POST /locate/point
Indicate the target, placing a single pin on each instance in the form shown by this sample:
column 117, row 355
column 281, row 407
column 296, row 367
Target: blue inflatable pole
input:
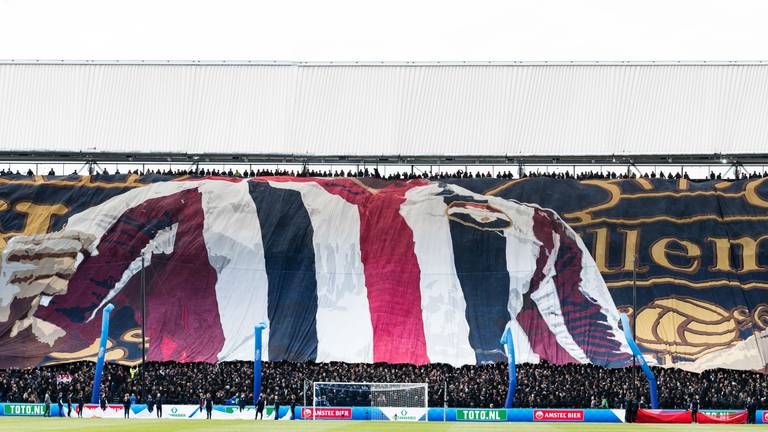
column 640, row 359
column 509, row 346
column 102, row 352
column 257, row 361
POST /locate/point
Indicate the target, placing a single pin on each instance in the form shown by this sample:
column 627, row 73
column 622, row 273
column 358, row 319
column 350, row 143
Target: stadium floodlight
column 386, row 401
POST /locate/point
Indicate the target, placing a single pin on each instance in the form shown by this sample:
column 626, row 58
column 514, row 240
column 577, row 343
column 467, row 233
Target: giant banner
column 366, row 270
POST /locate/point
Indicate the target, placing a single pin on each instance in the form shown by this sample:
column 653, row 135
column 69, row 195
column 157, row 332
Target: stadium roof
column 264, row 111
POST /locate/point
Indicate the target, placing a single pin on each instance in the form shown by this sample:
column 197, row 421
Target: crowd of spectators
column 374, row 173
column 538, row 385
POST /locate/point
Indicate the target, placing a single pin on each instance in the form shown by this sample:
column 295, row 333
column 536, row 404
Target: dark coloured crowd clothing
column 208, row 408
column 539, row 385
column 127, row 408
column 260, row 409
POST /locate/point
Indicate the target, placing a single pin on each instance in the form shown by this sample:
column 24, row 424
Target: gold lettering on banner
column 38, row 219
column 722, row 251
column 749, row 253
column 747, row 250
column 590, row 215
column 601, row 250
column 661, row 251
column 117, row 351
column 667, row 280
column 750, row 193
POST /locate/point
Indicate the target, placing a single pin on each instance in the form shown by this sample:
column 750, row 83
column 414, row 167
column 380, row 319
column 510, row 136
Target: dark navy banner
column 366, row 270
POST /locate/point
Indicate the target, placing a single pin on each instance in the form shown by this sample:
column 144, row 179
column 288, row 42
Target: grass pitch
column 22, row 424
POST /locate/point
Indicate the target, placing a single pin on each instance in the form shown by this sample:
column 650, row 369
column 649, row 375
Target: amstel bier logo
column 327, row 413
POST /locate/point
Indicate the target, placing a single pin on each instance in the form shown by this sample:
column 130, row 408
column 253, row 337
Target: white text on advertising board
column 481, row 415
column 327, row 413
column 23, row 410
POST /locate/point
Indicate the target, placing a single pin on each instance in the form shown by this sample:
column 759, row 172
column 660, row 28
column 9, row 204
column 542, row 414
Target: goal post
column 387, row 401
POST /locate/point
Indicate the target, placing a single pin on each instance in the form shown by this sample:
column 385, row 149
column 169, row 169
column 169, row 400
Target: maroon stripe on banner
column 578, row 309
column 542, row 340
column 392, row 275
column 183, row 322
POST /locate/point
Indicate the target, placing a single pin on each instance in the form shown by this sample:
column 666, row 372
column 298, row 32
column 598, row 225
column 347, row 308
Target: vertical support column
column 257, row 331
column 96, row 391
column 638, row 355
column 445, row 399
column 143, row 328
column 509, row 346
column 634, row 323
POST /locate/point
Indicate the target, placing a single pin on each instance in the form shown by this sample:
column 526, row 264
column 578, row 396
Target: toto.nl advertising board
column 17, row 409
column 481, row 415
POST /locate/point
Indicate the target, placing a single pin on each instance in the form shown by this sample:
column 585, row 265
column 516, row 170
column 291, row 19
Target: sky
column 391, row 30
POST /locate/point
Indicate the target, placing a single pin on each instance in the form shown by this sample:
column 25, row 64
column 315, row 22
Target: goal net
column 382, row 401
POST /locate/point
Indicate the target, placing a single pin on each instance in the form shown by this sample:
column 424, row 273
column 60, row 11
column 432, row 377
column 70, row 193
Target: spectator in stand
column 739, row 174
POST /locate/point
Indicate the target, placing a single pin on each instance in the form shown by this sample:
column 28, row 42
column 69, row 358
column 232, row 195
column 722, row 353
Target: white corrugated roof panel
column 513, row 109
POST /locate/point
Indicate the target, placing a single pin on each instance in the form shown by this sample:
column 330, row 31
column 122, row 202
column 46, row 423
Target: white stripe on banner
column 98, row 219
column 442, row 300
column 241, row 278
column 522, row 250
column 548, row 302
column 344, row 330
